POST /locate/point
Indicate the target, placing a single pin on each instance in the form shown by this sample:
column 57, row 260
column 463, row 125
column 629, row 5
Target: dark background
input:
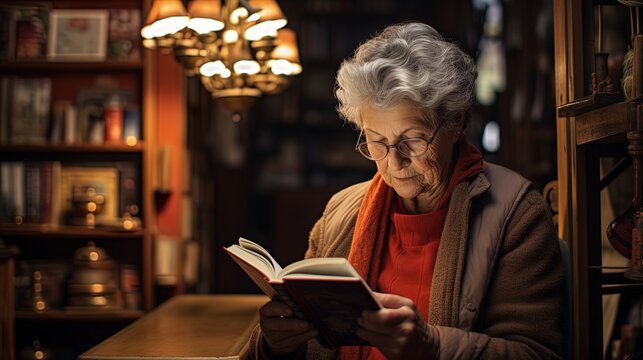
column 269, row 176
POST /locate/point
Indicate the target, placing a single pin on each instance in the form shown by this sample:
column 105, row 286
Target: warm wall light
column 241, row 50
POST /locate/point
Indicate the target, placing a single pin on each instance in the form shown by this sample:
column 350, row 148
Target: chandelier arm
column 263, row 69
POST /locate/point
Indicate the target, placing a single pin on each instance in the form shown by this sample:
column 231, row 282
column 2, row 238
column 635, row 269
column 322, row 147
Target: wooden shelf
column 589, row 103
column 607, row 124
column 103, row 66
column 78, row 315
column 85, row 148
column 66, row 232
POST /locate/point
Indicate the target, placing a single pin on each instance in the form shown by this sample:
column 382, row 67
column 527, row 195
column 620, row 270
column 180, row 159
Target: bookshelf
column 78, row 136
column 587, row 134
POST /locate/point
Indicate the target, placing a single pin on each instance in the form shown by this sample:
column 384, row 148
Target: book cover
column 328, row 292
column 8, row 17
column 30, row 108
column 32, row 24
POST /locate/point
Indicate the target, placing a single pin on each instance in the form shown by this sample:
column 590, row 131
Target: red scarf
column 373, row 218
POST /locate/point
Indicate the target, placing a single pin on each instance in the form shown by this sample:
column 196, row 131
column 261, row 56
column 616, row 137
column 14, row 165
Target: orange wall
column 170, row 128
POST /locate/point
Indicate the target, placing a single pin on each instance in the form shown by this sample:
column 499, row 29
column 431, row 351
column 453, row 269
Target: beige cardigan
column 498, row 280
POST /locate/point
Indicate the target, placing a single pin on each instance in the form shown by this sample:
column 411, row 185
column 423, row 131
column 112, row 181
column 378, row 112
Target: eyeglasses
column 411, row 147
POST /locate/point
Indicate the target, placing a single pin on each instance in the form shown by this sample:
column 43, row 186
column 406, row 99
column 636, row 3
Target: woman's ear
column 459, row 128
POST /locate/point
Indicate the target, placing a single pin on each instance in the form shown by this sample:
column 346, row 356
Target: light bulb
column 281, row 67
column 204, row 25
column 230, row 36
column 265, row 28
column 170, row 25
column 212, row 68
column 249, row 67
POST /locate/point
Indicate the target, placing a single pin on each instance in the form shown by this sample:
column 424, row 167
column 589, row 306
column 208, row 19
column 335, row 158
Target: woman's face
column 424, row 176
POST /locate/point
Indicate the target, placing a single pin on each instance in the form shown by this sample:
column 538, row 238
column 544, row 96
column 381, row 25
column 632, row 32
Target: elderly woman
column 462, row 253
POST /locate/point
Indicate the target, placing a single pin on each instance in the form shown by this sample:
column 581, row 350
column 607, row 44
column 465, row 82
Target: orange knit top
column 409, row 254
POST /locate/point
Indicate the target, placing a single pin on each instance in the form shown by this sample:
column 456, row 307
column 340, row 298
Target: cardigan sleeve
column 521, row 317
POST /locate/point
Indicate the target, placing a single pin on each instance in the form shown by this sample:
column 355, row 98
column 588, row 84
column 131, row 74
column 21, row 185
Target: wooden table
column 186, row 327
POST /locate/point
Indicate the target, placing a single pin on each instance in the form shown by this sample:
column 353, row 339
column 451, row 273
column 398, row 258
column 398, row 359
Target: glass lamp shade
column 286, row 52
column 205, row 16
column 152, row 16
column 169, row 17
column 271, row 19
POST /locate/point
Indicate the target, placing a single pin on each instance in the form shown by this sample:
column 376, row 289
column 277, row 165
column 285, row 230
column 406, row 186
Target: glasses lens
column 412, row 147
column 373, row 150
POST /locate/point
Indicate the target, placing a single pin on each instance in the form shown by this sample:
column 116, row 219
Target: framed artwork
column 79, row 180
column 78, row 35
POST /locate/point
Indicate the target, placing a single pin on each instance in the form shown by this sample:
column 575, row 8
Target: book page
column 320, row 267
column 252, row 271
column 256, row 248
column 255, row 260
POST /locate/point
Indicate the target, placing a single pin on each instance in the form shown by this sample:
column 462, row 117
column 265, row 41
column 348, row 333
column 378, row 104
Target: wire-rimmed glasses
column 411, row 147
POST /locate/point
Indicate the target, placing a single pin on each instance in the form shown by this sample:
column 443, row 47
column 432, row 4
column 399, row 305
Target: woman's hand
column 283, row 333
column 398, row 331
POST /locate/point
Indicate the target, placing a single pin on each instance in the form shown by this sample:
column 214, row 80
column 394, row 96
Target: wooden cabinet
column 596, row 127
column 121, row 167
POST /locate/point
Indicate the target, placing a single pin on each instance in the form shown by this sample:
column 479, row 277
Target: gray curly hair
column 407, row 62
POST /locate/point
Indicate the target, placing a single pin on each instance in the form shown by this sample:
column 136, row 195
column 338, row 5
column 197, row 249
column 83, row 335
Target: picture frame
column 77, row 35
column 105, row 181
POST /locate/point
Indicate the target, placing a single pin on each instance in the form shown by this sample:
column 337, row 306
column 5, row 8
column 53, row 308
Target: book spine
column 114, row 121
column 45, row 210
column 18, row 192
column 70, row 124
column 33, row 195
column 131, row 125
column 5, row 108
column 56, row 196
column 6, row 200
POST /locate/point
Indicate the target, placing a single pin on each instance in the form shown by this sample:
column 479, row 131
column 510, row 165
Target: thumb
column 393, row 301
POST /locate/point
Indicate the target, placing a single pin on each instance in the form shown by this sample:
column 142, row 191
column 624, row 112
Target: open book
column 328, row 292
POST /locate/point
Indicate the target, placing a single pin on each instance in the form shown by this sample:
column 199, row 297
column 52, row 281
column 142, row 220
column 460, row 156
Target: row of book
column 100, row 115
column 28, row 31
column 50, row 192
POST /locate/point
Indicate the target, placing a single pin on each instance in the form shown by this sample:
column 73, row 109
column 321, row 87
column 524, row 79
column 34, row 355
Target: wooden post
column 7, row 306
column 637, row 66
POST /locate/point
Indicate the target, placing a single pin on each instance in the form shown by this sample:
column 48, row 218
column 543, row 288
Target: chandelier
column 240, row 50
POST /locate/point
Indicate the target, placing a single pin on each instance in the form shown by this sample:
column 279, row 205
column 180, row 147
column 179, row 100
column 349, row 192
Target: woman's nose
column 396, row 160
